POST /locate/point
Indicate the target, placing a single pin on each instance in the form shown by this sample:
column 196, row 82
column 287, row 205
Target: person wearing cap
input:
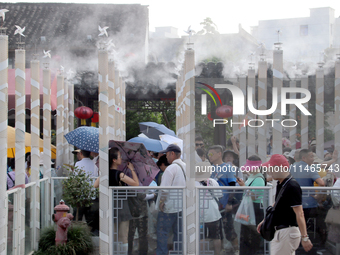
column 289, row 220
column 229, row 156
column 249, row 239
column 170, row 214
column 211, row 219
column 223, row 173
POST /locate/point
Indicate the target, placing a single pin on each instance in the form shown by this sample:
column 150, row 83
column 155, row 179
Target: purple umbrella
column 137, row 154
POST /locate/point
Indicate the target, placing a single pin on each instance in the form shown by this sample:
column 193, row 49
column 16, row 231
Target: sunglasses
column 200, row 144
column 210, row 154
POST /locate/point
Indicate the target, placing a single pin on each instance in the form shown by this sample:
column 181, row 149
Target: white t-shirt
column 96, row 170
column 87, row 165
column 173, row 176
column 209, row 211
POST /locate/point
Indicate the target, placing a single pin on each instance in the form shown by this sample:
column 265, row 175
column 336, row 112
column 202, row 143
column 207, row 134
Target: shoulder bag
column 137, row 204
column 182, row 171
column 267, row 229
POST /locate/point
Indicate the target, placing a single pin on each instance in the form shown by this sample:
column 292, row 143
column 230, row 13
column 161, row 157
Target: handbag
column 137, row 205
column 267, row 229
column 245, row 213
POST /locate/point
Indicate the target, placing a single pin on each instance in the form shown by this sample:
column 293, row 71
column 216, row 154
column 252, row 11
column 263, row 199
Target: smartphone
column 237, row 177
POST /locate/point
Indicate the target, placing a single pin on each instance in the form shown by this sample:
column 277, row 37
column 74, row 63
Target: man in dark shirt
column 289, row 218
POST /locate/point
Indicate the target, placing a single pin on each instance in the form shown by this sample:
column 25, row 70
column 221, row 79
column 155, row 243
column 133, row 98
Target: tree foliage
column 134, row 117
column 209, row 27
column 78, row 190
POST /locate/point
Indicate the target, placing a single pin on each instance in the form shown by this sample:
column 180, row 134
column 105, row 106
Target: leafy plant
column 79, row 241
column 78, row 189
column 209, row 27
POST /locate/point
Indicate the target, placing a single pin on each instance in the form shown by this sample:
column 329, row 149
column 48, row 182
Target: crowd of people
column 219, row 207
column 160, row 215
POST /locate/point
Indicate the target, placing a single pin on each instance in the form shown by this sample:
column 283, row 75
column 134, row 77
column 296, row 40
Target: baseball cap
column 76, row 151
column 202, row 171
column 276, row 160
column 171, row 147
column 250, row 164
column 230, row 152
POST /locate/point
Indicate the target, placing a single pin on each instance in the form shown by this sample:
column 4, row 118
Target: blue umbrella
column 153, row 130
column 85, row 138
column 150, row 144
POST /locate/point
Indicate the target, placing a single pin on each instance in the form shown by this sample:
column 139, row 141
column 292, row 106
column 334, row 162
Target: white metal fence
column 37, row 220
column 26, row 234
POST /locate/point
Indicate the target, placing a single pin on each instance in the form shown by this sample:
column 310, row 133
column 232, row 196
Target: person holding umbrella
column 119, row 178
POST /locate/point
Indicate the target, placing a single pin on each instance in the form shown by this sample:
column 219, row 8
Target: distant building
column 70, row 31
column 303, row 38
column 165, row 32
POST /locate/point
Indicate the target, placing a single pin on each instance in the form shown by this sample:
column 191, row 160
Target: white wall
column 297, row 45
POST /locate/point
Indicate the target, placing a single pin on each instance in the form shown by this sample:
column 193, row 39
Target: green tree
column 78, row 190
column 209, row 27
column 166, row 116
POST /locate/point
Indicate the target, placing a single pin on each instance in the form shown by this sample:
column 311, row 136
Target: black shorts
column 212, row 230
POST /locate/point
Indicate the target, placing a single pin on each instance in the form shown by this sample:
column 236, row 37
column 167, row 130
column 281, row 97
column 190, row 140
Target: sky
column 226, row 14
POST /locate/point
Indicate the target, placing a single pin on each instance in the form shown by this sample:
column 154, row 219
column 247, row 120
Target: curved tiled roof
column 68, row 24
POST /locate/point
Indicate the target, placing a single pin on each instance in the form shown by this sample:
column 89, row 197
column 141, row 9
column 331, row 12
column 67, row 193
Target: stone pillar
column 60, row 124
column 304, row 118
column 179, row 110
column 262, row 104
column 112, row 97
column 35, row 153
column 66, row 156
column 189, row 150
column 236, row 118
column 292, row 115
column 251, row 144
column 123, row 111
column 320, row 120
column 3, row 137
column 336, row 104
column 277, row 83
column 105, row 222
column 243, row 128
column 35, row 119
column 71, row 119
column 20, row 128
column 47, row 136
column 117, row 106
